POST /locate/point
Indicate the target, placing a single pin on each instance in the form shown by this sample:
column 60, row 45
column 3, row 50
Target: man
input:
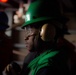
column 6, row 45
column 44, row 37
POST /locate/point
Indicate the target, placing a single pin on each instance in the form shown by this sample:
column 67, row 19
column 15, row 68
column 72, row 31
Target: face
column 36, row 42
column 31, row 38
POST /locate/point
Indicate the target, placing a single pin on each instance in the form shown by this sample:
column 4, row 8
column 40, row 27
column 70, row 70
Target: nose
column 26, row 37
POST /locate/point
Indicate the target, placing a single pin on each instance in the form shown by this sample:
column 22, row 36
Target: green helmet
column 43, row 10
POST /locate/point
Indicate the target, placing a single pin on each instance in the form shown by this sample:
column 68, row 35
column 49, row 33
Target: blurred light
column 16, row 20
column 4, row 1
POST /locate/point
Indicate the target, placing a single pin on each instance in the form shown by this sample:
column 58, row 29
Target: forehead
column 31, row 28
column 36, row 26
column 40, row 24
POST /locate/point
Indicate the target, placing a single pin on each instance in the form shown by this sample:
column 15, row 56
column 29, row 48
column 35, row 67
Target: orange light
column 4, row 1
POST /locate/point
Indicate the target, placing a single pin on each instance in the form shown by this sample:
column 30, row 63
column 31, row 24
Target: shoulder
column 49, row 70
column 53, row 70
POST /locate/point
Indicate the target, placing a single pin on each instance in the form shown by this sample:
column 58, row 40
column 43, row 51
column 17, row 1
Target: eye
column 28, row 31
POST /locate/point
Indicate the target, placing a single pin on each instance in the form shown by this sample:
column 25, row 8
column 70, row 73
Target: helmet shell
column 3, row 21
column 43, row 10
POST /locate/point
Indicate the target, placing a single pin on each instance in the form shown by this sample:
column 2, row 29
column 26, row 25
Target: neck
column 45, row 46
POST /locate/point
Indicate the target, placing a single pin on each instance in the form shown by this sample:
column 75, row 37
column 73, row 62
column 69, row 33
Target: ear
column 48, row 32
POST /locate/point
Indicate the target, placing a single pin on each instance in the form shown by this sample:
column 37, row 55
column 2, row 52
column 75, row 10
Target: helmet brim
column 61, row 19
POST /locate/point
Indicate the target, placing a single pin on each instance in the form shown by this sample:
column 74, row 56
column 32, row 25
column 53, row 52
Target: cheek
column 29, row 43
column 36, row 41
column 32, row 43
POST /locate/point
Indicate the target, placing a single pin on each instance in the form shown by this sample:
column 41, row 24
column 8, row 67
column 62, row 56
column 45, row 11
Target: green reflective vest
column 41, row 61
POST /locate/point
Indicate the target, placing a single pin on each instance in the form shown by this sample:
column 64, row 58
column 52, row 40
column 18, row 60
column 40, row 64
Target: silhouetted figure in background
column 6, row 45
